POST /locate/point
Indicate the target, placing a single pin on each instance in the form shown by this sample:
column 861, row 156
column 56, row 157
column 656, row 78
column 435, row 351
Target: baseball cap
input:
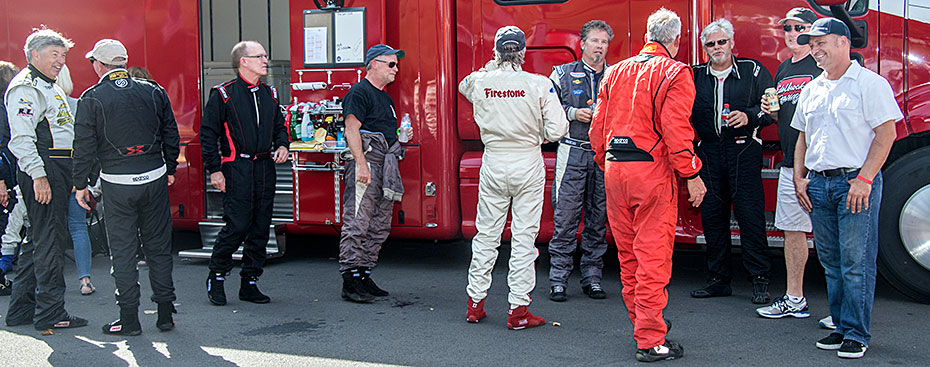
column 382, row 49
column 509, row 35
column 803, row 15
column 108, row 51
column 823, row 27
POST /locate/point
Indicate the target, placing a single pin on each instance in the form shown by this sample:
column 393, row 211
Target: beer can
column 771, row 97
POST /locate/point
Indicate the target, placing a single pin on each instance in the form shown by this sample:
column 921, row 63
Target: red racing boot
column 521, row 318
column 475, row 311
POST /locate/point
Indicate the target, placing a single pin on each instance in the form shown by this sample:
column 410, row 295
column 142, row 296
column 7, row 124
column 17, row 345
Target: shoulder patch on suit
column 274, row 92
column 558, row 70
column 223, row 93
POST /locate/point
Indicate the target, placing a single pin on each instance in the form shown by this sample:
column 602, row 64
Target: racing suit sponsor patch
column 513, row 93
column 577, row 92
column 577, row 74
column 576, row 81
column 25, row 112
column 24, row 102
column 119, row 75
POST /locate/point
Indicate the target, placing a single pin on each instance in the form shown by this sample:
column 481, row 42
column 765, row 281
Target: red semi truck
column 315, row 45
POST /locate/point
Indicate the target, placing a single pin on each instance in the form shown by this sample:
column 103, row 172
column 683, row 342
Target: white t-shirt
column 838, row 117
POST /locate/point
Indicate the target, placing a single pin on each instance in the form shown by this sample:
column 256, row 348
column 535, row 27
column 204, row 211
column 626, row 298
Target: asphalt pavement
column 422, row 322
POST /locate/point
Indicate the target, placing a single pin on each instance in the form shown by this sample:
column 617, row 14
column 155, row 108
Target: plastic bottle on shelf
column 405, row 130
column 306, row 131
column 295, row 121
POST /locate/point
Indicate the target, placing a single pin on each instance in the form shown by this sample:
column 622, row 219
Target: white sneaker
column 784, row 307
column 827, row 323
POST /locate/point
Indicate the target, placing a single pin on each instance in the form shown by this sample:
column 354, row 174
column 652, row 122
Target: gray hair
column 512, row 54
column 238, row 51
column 663, row 26
column 719, row 25
column 596, row 25
column 42, row 38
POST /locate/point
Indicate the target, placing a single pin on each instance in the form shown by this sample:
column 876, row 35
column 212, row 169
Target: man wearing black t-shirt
column 372, row 179
column 793, row 74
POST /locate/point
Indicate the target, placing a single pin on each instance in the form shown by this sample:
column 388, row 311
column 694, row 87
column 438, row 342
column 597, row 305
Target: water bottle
column 295, row 122
column 403, row 134
column 306, row 131
column 725, row 116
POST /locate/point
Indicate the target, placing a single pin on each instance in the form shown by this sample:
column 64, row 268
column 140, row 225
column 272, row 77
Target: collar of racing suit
column 733, row 69
column 102, row 77
column 655, row 48
column 246, row 82
column 41, row 75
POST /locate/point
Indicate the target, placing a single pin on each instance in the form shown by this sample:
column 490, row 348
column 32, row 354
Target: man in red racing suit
column 641, row 138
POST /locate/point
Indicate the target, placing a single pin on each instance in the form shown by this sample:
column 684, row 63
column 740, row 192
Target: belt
column 254, row 157
column 136, row 178
column 576, row 143
column 836, row 172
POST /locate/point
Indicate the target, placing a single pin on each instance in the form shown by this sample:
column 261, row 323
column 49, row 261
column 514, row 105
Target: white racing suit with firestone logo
column 516, row 112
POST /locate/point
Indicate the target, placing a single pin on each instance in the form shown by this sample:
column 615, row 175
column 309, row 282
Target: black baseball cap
column 823, row 27
column 381, row 49
column 509, row 35
column 803, row 15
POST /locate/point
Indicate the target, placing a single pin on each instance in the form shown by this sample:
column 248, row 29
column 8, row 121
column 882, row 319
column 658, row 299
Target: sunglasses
column 718, row 43
column 797, row 27
column 390, row 64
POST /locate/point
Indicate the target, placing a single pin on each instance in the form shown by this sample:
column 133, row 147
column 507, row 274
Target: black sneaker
column 831, row 342
column 352, row 288
column 715, row 287
column 851, row 349
column 557, row 293
column 215, row 291
column 248, row 291
column 667, row 351
column 68, row 322
column 370, row 286
column 760, row 290
column 594, row 290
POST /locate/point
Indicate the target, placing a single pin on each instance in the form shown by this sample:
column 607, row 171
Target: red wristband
column 863, row 179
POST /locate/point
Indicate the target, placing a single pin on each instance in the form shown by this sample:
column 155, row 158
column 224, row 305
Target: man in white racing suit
column 516, row 112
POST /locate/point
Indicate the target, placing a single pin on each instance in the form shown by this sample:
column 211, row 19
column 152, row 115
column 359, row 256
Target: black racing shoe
column 165, row 320
column 248, row 291
column 6, row 286
column 715, row 287
column 353, row 289
column 215, row 291
column 667, row 351
column 760, row 290
column 851, row 349
column 557, row 293
column 68, row 322
column 370, row 286
column 117, row 327
column 594, row 290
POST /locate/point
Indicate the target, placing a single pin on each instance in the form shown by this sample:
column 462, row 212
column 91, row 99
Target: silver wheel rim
column 914, row 226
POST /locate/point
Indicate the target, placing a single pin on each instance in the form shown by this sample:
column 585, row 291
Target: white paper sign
column 315, row 45
column 350, row 37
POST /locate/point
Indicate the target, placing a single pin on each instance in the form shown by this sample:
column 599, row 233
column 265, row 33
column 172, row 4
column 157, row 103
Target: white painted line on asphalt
column 261, row 359
column 122, row 349
column 19, row 350
column 162, row 348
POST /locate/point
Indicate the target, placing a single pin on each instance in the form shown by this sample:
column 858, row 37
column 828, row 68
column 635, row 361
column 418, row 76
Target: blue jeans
column 847, row 245
column 77, row 225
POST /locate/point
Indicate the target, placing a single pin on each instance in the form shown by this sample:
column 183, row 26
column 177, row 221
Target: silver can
column 771, row 97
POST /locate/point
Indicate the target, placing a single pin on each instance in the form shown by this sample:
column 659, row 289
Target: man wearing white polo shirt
column 846, row 121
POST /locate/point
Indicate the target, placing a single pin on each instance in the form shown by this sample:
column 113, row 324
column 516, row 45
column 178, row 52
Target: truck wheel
column 904, row 225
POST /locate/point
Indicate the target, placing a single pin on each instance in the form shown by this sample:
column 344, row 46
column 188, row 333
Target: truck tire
column 904, row 225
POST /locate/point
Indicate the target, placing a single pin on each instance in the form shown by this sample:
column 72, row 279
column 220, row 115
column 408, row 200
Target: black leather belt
column 576, row 143
column 836, row 172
